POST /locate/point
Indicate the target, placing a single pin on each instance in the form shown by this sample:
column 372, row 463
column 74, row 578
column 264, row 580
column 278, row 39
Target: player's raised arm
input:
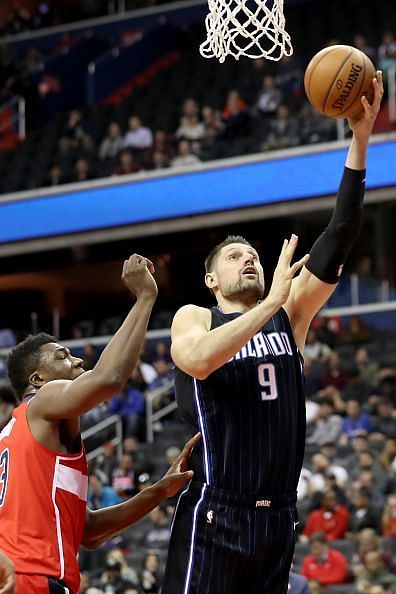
column 318, row 279
column 198, row 350
column 62, row 399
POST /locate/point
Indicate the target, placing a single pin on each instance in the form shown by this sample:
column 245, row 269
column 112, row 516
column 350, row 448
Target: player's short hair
column 213, row 254
column 24, row 360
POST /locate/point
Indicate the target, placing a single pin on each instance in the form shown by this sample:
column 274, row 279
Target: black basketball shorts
column 226, row 544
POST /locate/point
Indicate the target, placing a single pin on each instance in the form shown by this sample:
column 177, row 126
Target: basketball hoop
column 251, row 28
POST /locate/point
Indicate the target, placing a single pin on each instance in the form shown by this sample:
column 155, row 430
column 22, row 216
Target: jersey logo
column 263, row 503
column 210, row 516
column 295, row 524
column 4, row 464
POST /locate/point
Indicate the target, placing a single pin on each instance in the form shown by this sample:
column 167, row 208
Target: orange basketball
column 336, row 78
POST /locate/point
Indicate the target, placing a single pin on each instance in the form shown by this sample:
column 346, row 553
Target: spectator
column 330, row 483
column 355, row 423
column 130, row 404
column 138, row 137
column 367, row 540
column 112, row 581
column 376, row 573
column 127, row 572
column 55, row 176
column 282, row 131
column 387, row 52
column 385, row 420
column 335, row 375
column 99, row 495
column 236, row 117
column 150, row 574
column 314, row 127
column 234, row 104
column 389, row 517
column 316, row 587
column 368, row 369
column 75, row 138
column 107, row 461
column 90, row 356
column 159, row 161
column 161, row 144
column 312, row 385
column 82, row 171
column 8, row 402
column 361, row 43
column 298, row 584
column 212, row 122
column 355, row 332
column 190, row 107
column 363, row 514
column 321, row 467
column 185, row 156
column 123, row 477
column 387, row 457
column 127, row 164
column 367, row 462
column 324, row 564
column 315, row 348
column 327, row 426
column 159, row 531
column 270, row 97
column 112, row 143
column 190, row 128
column 331, row 518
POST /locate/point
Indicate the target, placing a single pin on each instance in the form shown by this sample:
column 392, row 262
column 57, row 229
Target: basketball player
column 7, row 575
column 239, row 379
column 43, row 467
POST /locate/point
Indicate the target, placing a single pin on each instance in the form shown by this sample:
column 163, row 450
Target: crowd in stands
column 347, row 489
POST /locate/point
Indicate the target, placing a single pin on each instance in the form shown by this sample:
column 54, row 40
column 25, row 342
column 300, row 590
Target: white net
column 251, row 28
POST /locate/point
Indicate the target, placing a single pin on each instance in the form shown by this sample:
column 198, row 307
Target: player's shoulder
column 191, row 313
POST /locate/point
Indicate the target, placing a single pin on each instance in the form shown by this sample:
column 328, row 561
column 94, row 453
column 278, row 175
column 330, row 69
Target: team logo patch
column 263, row 503
column 210, row 516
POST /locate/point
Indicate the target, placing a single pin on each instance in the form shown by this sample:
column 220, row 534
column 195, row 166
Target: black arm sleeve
column 330, row 250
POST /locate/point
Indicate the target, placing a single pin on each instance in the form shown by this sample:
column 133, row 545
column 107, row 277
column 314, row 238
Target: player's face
column 56, row 362
column 238, row 272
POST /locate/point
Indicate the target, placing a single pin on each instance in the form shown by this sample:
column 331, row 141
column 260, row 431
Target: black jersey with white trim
column 251, row 413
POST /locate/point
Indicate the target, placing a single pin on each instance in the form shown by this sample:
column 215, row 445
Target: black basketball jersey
column 251, row 413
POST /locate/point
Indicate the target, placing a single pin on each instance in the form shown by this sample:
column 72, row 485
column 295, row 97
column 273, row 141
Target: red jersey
column 43, row 498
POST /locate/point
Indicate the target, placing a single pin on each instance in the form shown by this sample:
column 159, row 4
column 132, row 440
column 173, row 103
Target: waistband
column 58, row 587
column 253, row 501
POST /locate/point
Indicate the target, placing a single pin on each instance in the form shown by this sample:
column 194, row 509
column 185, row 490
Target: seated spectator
column 236, row 117
column 330, row 484
column 368, row 369
column 289, row 75
column 335, row 374
column 185, row 155
column 312, row 372
column 138, row 137
column 8, row 401
column 355, row 423
column 270, row 97
column 81, row 171
column 298, row 584
column 321, row 466
column 324, row 564
column 361, row 43
column 387, row 52
column 75, row 138
column 234, row 104
column 355, row 332
column 212, row 122
column 316, row 587
column 376, row 573
column 387, row 457
column 368, row 540
column 366, row 461
column 315, row 348
column 127, row 164
column 150, row 574
column 327, row 426
column 385, row 419
column 159, row 161
column 159, row 531
column 331, row 518
column 190, row 107
column 127, row 573
column 56, row 176
column 363, row 514
column 123, row 477
column 130, row 405
column 357, row 388
column 160, row 144
column 190, row 128
column 283, row 130
column 90, row 356
column 107, row 461
column 315, row 127
column 112, row 143
column 100, row 495
column 112, row 581
column 389, row 517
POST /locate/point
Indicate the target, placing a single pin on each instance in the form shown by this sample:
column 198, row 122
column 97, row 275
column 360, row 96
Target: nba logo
column 210, row 517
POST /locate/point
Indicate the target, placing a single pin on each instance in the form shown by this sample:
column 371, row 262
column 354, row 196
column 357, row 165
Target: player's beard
column 246, row 290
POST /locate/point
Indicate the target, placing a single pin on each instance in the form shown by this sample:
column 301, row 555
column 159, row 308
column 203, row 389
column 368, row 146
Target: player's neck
column 227, row 306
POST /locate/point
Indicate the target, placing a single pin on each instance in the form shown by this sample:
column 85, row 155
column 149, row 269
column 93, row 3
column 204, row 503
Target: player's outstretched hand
column 137, row 274
column 285, row 271
column 178, row 473
column 7, row 575
column 362, row 125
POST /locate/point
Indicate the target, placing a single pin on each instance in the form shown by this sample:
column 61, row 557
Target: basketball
column 336, row 78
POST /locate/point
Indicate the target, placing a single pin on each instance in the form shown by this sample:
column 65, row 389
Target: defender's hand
column 137, row 274
column 285, row 271
column 362, row 125
column 7, row 575
column 178, row 474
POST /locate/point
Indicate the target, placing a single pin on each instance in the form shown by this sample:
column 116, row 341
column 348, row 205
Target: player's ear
column 36, row 380
column 210, row 280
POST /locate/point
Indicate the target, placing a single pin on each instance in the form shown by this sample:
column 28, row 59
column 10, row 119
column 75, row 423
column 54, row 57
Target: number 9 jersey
column 251, row 413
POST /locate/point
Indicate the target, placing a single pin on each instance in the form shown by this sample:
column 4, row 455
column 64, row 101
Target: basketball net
column 234, row 29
